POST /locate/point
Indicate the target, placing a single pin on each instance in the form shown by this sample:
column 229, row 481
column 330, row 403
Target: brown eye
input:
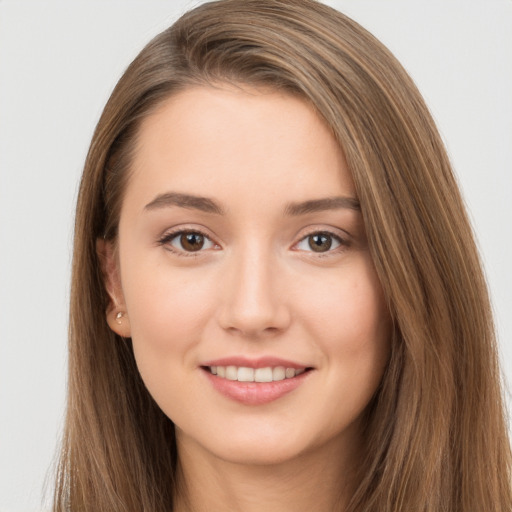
column 192, row 241
column 186, row 242
column 320, row 242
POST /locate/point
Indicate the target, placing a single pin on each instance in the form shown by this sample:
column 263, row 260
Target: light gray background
column 58, row 63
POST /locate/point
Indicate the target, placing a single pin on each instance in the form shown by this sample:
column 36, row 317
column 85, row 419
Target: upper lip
column 260, row 362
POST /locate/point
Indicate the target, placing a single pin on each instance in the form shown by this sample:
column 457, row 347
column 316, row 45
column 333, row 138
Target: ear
column 117, row 316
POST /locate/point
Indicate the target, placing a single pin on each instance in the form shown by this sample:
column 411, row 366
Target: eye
column 187, row 241
column 320, row 242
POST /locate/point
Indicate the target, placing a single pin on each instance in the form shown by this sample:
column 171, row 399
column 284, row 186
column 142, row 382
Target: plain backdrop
column 58, row 63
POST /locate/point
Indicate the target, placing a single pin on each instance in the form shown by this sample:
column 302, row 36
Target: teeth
column 244, row 374
column 231, row 372
column 289, row 373
column 263, row 375
column 279, row 373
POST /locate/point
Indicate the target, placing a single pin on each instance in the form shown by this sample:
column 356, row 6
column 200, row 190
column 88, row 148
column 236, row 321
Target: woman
column 277, row 302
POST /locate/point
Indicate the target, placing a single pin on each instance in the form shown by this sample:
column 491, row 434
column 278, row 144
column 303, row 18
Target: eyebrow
column 189, row 201
column 208, row 205
column 319, row 205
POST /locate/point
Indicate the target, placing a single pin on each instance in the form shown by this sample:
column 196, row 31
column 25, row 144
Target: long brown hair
column 436, row 438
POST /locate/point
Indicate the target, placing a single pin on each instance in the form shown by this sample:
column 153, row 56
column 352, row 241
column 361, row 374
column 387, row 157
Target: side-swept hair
column 436, row 438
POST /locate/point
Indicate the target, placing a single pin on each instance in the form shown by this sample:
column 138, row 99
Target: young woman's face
column 242, row 252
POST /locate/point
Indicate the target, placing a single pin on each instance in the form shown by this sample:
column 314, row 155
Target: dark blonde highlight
column 436, row 439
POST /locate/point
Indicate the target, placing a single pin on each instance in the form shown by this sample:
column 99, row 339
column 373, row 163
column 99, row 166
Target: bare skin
column 322, row 480
column 241, row 244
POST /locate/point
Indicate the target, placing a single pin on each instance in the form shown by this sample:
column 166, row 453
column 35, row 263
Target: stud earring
column 119, row 317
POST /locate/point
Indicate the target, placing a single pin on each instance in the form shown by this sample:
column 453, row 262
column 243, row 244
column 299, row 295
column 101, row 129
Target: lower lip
column 255, row 393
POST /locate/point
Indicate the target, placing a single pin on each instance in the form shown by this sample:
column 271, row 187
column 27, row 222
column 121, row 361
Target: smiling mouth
column 245, row 374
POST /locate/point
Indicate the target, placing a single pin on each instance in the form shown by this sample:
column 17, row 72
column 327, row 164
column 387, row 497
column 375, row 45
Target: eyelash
column 343, row 243
column 169, row 237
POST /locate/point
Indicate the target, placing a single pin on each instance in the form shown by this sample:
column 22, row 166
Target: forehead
column 237, row 142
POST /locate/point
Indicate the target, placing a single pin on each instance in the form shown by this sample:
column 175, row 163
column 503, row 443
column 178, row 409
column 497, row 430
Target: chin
column 259, row 454
column 263, row 446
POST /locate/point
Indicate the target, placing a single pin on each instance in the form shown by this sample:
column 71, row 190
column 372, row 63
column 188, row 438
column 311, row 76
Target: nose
column 253, row 299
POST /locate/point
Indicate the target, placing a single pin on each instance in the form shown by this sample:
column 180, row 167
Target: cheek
column 351, row 323
column 168, row 309
column 354, row 336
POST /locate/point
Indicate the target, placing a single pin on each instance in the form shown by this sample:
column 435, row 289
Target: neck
column 322, row 480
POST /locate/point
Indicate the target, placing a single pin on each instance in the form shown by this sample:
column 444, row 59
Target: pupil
column 192, row 241
column 320, row 243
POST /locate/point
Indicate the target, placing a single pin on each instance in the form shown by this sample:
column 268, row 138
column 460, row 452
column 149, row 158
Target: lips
column 255, row 382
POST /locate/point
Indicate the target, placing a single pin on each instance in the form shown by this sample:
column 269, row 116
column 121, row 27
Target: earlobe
column 116, row 315
column 119, row 322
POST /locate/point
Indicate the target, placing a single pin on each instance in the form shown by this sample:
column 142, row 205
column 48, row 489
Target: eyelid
column 343, row 240
column 341, row 236
column 171, row 234
column 319, row 228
